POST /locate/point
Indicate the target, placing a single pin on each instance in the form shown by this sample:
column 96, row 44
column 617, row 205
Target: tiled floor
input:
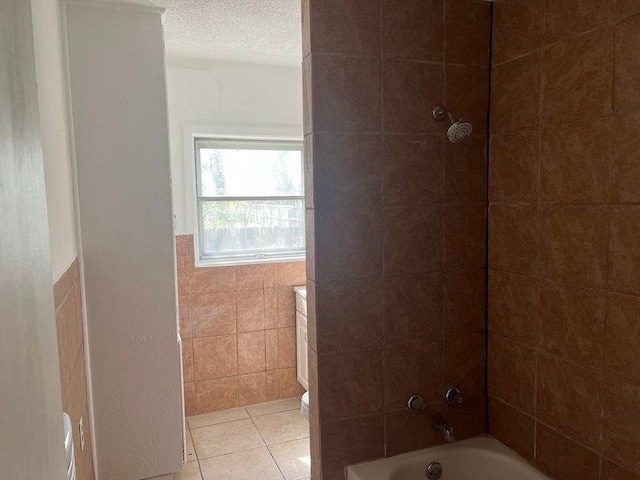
column 269, row 441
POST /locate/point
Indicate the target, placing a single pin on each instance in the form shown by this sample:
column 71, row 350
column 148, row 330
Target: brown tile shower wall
column 68, row 303
column 564, row 288
column 396, row 222
column 238, row 331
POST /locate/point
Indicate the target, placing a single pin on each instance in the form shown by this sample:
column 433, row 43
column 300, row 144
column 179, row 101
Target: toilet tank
column 68, row 447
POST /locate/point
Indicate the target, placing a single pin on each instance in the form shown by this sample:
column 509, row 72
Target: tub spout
column 439, row 424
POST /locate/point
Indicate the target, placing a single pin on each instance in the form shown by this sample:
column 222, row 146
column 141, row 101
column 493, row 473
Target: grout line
column 492, row 10
column 195, row 452
column 444, row 383
column 546, row 125
column 600, row 458
column 558, row 432
column 554, row 356
column 273, row 413
column 283, row 443
column 546, row 425
column 233, row 453
column 609, row 219
column 200, row 467
column 237, row 338
column 275, row 461
column 536, row 273
column 382, row 209
column 259, row 433
column 561, row 281
column 220, row 423
column 267, row 446
column 508, row 203
column 512, row 406
column 547, row 46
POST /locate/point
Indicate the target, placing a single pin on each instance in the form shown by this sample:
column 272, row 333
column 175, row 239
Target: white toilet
column 304, row 405
column 68, row 447
column 302, row 347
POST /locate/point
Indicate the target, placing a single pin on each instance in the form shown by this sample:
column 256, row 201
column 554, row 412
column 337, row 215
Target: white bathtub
column 481, row 458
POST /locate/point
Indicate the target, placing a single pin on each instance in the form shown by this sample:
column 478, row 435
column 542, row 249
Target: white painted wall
column 31, row 439
column 211, row 97
column 55, row 135
column 120, row 130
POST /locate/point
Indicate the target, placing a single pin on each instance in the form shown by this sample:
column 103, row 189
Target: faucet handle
column 416, row 403
column 454, row 396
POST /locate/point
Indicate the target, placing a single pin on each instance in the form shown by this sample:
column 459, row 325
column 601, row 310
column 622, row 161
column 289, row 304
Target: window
column 250, row 201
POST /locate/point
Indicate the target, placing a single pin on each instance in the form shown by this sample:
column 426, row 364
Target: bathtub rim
column 482, row 442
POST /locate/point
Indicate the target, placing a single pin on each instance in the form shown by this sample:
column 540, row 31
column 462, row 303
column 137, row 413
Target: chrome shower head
column 459, row 131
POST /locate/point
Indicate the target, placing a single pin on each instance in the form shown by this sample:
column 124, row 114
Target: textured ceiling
column 263, row 31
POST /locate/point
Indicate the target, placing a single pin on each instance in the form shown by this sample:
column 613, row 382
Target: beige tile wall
column 238, row 329
column 564, row 280
column 396, row 222
column 68, row 303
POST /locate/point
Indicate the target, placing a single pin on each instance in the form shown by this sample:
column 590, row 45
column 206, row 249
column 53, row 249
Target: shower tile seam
column 201, row 380
column 445, row 78
column 609, row 220
column 408, row 341
column 564, row 282
column 538, row 132
column 387, row 133
column 530, row 416
column 337, row 421
column 385, row 429
column 560, row 204
column 537, row 421
column 572, row 440
column 544, row 126
column 547, row 46
column 542, row 351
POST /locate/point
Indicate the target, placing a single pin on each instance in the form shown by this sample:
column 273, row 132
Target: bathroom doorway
column 234, row 86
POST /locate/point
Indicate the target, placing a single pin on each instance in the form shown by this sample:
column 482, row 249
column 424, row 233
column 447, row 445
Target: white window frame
column 239, row 141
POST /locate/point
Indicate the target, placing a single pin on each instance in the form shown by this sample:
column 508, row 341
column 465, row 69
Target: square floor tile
column 217, row 417
column 255, row 464
column 226, row 438
column 190, row 471
column 282, row 427
column 293, row 458
column 274, row 407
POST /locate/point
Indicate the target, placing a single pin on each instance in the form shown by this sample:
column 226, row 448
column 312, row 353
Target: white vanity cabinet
column 301, row 337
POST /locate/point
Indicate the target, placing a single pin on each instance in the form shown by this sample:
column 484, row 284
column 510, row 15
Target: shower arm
column 440, row 113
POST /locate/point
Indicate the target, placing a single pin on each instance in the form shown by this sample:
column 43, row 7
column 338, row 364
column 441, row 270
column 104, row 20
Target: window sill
column 207, row 262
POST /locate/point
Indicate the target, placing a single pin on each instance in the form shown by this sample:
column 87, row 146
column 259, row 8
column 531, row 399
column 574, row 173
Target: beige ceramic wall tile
column 233, row 315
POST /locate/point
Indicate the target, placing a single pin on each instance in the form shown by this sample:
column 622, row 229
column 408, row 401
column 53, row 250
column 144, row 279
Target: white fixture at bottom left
column 302, row 353
column 68, row 447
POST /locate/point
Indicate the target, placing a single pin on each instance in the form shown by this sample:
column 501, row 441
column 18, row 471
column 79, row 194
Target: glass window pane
column 248, row 227
column 233, row 172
